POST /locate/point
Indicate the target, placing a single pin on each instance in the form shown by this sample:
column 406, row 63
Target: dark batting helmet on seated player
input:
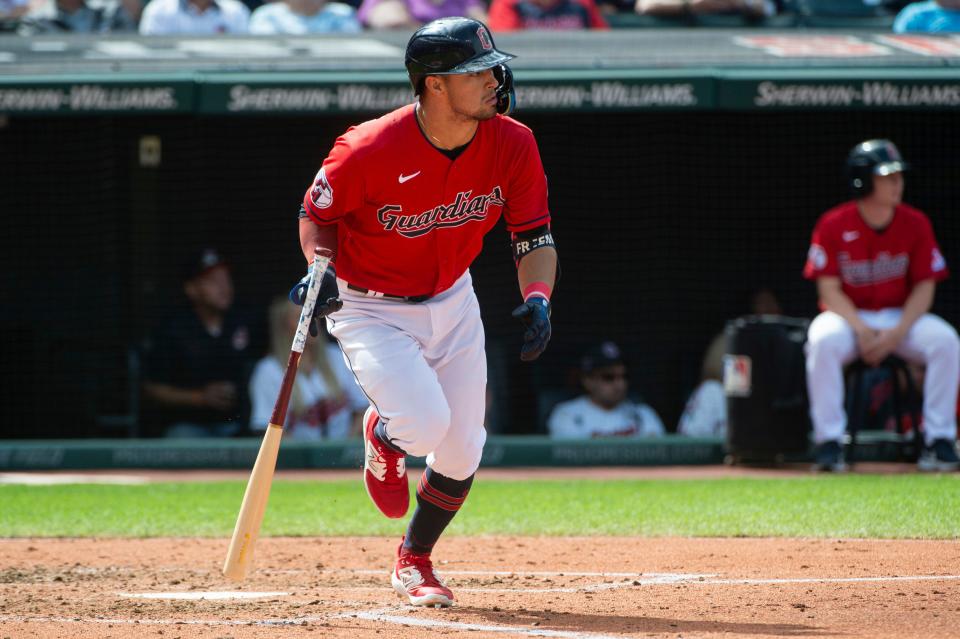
column 873, row 157
column 451, row 46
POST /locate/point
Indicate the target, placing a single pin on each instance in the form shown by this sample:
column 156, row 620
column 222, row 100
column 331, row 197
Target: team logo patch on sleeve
column 322, row 193
column 817, row 257
column 937, row 262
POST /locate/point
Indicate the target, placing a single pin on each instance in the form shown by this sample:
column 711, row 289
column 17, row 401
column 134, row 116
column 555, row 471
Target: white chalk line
column 295, row 621
column 826, row 580
column 495, row 573
column 507, row 573
column 52, row 479
column 207, row 595
column 376, row 615
column 703, row 580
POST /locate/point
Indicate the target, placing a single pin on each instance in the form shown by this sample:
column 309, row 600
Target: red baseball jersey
column 878, row 269
column 411, row 220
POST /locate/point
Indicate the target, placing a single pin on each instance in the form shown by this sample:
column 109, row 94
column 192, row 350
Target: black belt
column 413, row 299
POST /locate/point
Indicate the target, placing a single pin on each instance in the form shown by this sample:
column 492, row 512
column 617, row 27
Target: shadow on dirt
column 599, row 623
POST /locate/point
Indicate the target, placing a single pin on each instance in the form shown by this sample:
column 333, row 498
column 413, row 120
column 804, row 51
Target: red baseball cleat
column 415, row 580
column 384, row 472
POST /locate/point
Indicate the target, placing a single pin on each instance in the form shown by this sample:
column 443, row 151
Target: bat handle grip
column 321, row 260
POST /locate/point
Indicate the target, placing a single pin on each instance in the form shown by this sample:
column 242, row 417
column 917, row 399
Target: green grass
column 902, row 506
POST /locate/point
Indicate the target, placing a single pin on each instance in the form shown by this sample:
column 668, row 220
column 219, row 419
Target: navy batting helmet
column 451, row 46
column 873, row 157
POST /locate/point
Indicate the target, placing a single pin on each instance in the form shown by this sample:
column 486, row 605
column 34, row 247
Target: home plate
column 223, row 594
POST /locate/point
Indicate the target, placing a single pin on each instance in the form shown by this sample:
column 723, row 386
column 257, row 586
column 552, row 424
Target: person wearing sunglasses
column 605, row 410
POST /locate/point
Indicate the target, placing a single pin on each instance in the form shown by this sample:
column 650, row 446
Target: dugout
column 685, row 171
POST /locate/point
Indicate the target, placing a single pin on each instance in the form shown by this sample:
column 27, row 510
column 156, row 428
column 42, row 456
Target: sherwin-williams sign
column 811, row 90
column 544, row 91
column 553, row 91
column 101, row 97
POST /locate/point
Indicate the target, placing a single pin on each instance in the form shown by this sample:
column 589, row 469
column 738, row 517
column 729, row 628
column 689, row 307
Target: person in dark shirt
column 198, row 363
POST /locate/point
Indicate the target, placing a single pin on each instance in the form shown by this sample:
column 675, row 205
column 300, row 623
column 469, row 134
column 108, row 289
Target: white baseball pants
column 831, row 345
column 424, row 369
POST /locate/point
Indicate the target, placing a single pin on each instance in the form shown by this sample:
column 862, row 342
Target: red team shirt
column 877, row 269
column 411, row 220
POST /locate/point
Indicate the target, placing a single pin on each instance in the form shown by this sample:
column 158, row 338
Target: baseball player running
column 404, row 202
column 876, row 264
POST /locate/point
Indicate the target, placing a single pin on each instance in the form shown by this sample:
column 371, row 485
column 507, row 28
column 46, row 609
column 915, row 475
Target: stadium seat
column 630, row 20
column 845, row 14
column 117, row 392
column 547, row 399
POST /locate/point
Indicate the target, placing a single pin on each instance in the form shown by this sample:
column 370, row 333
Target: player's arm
column 918, row 303
column 336, row 190
column 537, row 273
column 927, row 267
column 830, row 291
column 314, row 236
column 832, row 297
column 534, row 251
column 535, row 255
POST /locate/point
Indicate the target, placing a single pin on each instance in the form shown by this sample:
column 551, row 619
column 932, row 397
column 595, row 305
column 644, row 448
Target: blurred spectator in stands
column 411, row 14
column 750, row 8
column 13, row 9
column 705, row 413
column 325, row 403
column 605, row 410
column 933, row 16
column 80, row 16
column 512, row 15
column 194, row 17
column 299, row 17
column 198, row 363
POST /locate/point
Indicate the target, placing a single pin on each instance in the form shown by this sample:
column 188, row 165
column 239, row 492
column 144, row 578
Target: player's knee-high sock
column 438, row 500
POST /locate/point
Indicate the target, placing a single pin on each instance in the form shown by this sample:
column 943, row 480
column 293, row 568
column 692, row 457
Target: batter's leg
column 831, row 344
column 457, row 355
column 390, row 367
column 459, row 360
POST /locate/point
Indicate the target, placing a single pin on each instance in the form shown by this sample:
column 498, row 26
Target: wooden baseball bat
column 240, row 553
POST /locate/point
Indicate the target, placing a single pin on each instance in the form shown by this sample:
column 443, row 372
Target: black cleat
column 829, row 458
column 939, row 457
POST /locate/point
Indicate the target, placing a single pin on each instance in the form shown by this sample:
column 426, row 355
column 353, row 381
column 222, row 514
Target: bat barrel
column 240, row 553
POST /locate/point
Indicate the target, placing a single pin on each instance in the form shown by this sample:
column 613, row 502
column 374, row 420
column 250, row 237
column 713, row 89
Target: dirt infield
column 506, row 587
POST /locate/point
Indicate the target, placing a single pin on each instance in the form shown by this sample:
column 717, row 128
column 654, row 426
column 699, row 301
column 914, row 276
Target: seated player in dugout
column 876, row 263
column 403, row 202
column 605, row 410
column 197, row 363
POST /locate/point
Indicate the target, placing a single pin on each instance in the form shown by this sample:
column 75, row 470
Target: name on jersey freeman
column 462, row 210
